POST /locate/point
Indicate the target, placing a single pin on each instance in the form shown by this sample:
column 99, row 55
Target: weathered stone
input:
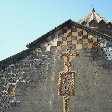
column 35, row 72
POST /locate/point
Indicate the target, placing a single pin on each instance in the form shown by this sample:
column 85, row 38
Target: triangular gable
column 69, row 33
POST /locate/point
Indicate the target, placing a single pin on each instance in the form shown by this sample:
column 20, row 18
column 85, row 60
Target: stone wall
column 37, row 85
column 36, row 78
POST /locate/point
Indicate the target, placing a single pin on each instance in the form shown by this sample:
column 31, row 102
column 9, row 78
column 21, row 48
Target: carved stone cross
column 67, row 79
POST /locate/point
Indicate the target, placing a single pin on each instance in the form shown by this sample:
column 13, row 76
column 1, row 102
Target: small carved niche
column 67, row 84
column 11, row 89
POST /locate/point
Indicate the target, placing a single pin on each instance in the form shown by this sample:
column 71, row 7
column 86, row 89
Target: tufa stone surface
column 35, row 73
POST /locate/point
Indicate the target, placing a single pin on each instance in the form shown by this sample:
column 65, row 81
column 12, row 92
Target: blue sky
column 22, row 21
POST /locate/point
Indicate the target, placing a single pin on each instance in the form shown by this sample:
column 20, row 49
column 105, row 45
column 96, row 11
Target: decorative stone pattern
column 75, row 37
column 63, row 89
column 35, row 72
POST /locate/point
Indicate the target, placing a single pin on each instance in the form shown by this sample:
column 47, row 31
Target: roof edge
column 68, row 22
column 48, row 33
column 14, row 58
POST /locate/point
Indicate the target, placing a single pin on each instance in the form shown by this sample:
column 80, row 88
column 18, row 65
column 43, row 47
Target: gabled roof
column 42, row 39
column 93, row 16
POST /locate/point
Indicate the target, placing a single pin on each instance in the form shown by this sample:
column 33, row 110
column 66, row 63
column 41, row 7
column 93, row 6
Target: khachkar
column 67, row 79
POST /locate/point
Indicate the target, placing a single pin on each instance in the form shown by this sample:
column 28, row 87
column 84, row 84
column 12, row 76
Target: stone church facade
column 69, row 69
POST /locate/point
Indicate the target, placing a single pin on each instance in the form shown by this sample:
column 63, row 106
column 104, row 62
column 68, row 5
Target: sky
column 23, row 21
